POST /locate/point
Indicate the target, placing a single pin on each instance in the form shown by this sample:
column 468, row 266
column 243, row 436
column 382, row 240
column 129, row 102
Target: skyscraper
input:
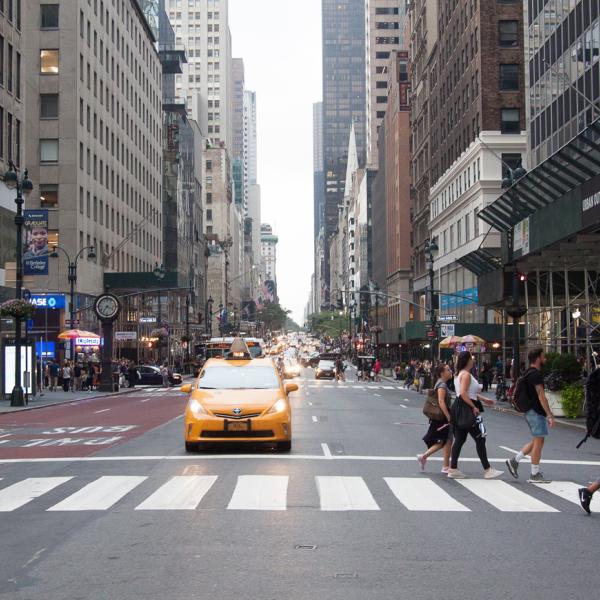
column 318, row 175
column 343, row 99
column 207, row 78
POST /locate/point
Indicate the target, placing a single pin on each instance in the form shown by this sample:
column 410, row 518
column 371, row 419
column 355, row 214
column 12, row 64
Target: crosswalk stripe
column 183, row 492
column 567, row 490
column 260, row 492
column 25, row 491
column 344, row 493
column 504, row 496
column 387, row 387
column 423, row 494
column 100, row 494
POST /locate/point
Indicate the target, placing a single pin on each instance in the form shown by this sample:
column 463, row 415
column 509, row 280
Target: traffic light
column 522, row 277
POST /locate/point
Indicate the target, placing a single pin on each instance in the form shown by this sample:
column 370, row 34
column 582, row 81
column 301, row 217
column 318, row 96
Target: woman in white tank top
column 467, row 391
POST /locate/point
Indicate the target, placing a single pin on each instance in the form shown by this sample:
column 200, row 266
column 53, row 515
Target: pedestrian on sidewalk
column 530, row 391
column 438, row 435
column 468, row 389
column 77, row 370
column 54, row 370
column 66, row 376
column 377, row 370
column 164, row 371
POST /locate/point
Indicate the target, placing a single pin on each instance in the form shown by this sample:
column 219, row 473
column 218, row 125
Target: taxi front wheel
column 284, row 446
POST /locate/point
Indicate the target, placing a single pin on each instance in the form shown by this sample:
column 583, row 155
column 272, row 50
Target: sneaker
column 455, row 474
column 445, row 470
column 492, row 473
column 421, row 460
column 513, row 467
column 585, row 497
column 538, row 478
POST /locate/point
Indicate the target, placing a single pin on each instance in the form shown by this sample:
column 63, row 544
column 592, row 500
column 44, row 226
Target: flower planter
column 554, row 403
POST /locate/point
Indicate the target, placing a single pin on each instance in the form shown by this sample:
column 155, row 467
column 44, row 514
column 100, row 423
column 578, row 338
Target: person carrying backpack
column 529, row 398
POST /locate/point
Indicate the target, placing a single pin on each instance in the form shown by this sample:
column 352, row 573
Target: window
column 49, row 62
column 49, row 195
column 9, row 60
column 18, row 76
column 48, row 151
column 510, row 121
column 49, row 16
column 209, row 215
column 1, row 60
column 509, row 77
column 508, row 35
column 49, row 106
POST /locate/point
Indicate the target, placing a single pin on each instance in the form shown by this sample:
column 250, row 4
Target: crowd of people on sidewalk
column 73, row 376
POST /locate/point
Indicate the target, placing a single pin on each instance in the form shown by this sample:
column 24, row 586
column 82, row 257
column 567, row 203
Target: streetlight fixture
column 159, row 272
column 209, row 315
column 23, row 186
column 431, row 249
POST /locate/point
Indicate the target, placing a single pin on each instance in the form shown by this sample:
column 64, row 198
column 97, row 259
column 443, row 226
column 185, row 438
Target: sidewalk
column 59, row 397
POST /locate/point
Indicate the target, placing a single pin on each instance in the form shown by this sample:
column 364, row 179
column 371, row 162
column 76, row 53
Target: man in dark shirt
column 538, row 417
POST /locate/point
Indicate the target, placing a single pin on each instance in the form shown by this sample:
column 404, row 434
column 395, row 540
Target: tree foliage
column 274, row 316
column 329, row 323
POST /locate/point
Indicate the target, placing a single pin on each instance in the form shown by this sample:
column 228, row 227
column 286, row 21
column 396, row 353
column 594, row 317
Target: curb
column 60, row 402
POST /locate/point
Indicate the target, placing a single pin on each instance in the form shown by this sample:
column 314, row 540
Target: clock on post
column 107, row 308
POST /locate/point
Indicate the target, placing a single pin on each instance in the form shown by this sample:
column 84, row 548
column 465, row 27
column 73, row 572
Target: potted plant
column 17, row 309
column 562, row 378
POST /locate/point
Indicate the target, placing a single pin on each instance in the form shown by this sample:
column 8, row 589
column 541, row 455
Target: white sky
column 280, row 42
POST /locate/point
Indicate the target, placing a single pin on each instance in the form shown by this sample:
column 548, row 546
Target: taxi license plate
column 237, row 425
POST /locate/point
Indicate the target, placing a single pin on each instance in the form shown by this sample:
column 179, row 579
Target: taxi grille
column 228, row 416
column 255, row 433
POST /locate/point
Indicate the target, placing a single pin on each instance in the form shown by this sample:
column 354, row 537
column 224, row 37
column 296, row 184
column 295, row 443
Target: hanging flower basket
column 17, row 309
column 159, row 333
column 186, row 338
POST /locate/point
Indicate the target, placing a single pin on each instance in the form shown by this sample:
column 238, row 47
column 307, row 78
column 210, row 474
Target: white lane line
column 310, row 403
column 405, row 400
column 344, row 493
column 25, row 491
column 315, row 419
column 100, row 494
column 378, row 395
column 146, row 400
column 293, row 457
column 326, row 450
column 260, row 492
column 402, row 406
column 509, row 449
column 504, row 497
column 423, row 494
column 567, row 490
column 97, row 412
column 183, row 492
column 387, row 387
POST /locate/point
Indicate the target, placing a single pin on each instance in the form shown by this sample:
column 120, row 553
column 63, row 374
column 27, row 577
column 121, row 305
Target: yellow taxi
column 239, row 399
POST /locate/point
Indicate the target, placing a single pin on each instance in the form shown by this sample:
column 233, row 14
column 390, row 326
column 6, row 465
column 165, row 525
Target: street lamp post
column 72, row 277
column 159, row 272
column 209, row 315
column 23, row 187
column 431, row 249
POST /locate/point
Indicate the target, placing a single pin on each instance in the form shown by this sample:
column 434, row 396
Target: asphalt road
column 99, row 501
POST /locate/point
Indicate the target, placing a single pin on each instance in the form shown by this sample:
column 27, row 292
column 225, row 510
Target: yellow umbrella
column 450, row 342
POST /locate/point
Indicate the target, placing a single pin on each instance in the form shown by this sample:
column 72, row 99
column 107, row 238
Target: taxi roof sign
column 239, row 350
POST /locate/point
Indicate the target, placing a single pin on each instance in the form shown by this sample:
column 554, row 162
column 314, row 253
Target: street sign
column 147, row 319
column 448, row 318
column 431, row 334
column 447, row 330
column 123, row 336
column 68, row 322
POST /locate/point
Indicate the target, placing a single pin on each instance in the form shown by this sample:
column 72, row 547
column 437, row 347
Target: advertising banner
column 35, row 250
column 124, row 336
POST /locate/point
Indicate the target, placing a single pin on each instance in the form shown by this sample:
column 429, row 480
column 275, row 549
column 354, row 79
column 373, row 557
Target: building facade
column 384, row 30
column 268, row 244
column 343, row 24
column 12, row 115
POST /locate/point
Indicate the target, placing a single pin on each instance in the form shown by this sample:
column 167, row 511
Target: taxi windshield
column 238, row 378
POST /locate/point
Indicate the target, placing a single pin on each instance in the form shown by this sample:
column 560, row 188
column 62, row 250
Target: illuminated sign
column 48, row 300
column 87, row 341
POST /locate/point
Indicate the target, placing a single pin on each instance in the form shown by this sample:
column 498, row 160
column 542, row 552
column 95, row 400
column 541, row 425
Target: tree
column 329, row 323
column 273, row 316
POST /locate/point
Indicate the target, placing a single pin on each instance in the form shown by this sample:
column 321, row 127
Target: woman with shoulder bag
column 465, row 417
column 437, row 407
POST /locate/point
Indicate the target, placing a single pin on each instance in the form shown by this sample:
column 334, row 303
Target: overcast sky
column 280, row 42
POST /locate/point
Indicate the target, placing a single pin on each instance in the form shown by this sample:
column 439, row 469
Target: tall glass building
column 344, row 98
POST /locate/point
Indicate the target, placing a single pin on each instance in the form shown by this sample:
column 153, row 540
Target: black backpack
column 520, row 400
column 592, row 407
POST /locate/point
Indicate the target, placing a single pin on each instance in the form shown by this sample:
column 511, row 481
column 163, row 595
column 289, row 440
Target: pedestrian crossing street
column 270, row 493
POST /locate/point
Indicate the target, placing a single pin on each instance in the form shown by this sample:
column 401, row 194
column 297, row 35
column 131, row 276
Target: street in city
column 98, row 500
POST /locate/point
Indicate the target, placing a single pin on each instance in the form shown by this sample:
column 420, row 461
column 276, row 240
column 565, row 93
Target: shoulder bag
column 431, row 408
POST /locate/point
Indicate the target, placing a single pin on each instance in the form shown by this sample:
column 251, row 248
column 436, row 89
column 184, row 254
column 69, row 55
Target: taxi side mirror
column 291, row 387
column 186, row 389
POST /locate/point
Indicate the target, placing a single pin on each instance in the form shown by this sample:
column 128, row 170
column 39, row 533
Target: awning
column 480, row 261
column 572, row 165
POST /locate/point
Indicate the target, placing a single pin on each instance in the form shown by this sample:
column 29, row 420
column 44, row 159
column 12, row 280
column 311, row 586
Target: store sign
column 591, row 208
column 147, row 319
column 123, row 336
column 87, row 341
column 48, row 300
column 45, row 349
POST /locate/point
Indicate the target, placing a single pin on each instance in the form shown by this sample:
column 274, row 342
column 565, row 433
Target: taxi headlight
column 197, row 409
column 279, row 406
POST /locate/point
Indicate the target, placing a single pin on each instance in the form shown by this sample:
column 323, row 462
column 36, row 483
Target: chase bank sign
column 55, row 301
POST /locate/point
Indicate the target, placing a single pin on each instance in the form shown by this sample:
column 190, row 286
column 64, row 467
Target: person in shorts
column 538, row 417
